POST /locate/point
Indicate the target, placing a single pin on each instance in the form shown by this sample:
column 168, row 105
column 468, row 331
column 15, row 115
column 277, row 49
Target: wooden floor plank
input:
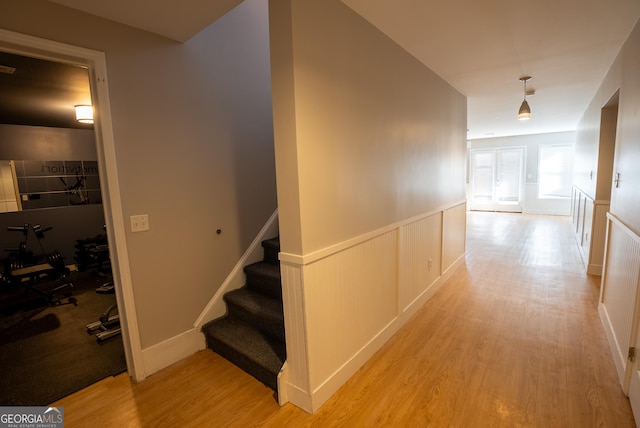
column 513, row 339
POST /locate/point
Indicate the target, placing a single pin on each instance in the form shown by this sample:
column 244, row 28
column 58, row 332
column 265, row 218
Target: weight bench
column 30, row 275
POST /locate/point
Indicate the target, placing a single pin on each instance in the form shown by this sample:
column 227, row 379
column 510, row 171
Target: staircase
column 251, row 334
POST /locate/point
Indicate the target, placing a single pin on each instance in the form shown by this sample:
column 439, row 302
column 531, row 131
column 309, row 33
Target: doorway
column 95, row 64
column 55, row 275
column 497, row 177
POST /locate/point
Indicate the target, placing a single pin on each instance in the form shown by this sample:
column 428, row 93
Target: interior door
column 496, row 179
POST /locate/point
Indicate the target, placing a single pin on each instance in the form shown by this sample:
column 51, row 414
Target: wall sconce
column 525, row 112
column 84, row 113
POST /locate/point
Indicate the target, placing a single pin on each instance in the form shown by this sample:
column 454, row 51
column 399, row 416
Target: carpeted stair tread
column 247, row 348
column 251, row 335
column 257, row 308
column 265, row 269
column 265, row 277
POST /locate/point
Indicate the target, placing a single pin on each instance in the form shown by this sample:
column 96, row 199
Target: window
column 8, row 194
column 555, row 171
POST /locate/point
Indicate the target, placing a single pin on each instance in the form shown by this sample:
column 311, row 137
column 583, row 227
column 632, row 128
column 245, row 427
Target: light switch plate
column 139, row 223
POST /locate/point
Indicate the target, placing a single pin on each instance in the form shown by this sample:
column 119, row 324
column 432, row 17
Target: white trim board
column 172, row 350
column 236, row 279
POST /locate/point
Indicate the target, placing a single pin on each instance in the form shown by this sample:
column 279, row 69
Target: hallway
column 513, row 339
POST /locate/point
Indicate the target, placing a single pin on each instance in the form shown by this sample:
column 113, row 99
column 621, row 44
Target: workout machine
column 108, row 324
column 26, row 269
column 95, row 252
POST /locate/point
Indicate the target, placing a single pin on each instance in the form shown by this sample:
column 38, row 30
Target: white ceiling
column 176, row 19
column 481, row 48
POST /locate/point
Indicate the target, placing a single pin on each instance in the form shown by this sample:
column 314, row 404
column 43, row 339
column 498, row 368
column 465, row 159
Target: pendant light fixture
column 525, row 112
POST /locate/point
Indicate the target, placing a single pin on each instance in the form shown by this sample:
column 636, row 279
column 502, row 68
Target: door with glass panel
column 496, row 179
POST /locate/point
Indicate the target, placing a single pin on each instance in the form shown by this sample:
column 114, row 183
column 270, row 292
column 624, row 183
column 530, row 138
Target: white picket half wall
column 341, row 304
column 618, row 305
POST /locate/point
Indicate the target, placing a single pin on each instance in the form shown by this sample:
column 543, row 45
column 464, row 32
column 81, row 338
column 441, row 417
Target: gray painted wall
column 375, row 135
column 193, row 132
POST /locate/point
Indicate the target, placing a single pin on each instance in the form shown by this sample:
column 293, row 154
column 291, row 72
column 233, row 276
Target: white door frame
column 495, row 204
column 95, row 62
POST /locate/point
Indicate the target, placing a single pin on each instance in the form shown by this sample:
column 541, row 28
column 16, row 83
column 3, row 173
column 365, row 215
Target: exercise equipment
column 108, row 324
column 95, row 252
column 19, row 257
column 25, row 269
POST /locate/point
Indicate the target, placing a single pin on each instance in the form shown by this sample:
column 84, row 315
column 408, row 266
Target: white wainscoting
column 454, row 235
column 618, row 305
column 344, row 302
column 598, row 235
column 421, row 264
column 589, row 219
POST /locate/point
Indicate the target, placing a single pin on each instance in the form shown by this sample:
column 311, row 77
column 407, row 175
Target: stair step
column 264, row 277
column 251, row 335
column 248, row 348
column 271, row 249
column 257, row 309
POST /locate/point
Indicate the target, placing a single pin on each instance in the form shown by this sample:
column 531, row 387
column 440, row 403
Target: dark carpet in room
column 46, row 352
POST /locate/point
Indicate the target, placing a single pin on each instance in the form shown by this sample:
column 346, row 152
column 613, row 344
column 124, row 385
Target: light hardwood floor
column 513, row 339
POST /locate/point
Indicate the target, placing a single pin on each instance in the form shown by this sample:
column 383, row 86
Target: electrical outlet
column 139, row 223
column 430, row 263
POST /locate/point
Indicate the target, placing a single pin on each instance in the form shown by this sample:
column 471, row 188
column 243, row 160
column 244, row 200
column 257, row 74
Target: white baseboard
column 562, row 212
column 170, row 351
column 595, row 270
column 342, row 375
column 619, row 357
column 299, row 398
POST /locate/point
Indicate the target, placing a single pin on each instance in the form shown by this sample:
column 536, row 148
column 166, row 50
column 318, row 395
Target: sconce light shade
column 84, row 113
column 525, row 112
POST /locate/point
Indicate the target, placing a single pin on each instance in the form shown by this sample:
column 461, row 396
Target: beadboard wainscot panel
column 352, row 303
column 454, row 235
column 342, row 303
column 420, row 257
column 618, row 292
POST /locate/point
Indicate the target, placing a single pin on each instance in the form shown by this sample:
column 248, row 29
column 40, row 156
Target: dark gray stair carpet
column 249, row 349
column 258, row 310
column 251, row 334
column 264, row 277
